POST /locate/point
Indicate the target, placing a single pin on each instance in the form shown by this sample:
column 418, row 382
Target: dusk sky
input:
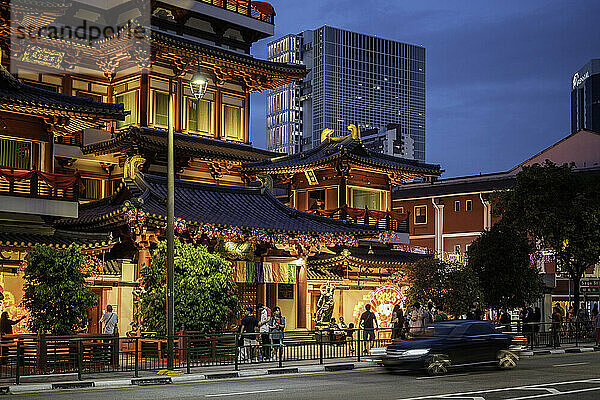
column 497, row 72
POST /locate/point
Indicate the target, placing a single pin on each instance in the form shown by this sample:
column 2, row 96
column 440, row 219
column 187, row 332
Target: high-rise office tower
column 585, row 98
column 353, row 79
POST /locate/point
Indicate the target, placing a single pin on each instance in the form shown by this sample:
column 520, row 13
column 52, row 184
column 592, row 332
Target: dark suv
column 447, row 344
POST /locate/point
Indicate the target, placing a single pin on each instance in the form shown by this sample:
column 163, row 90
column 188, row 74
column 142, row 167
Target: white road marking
column 440, row 376
column 242, row 393
column 570, row 365
column 538, row 396
column 541, row 385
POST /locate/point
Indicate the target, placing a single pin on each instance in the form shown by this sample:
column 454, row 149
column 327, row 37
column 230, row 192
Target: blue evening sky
column 497, row 72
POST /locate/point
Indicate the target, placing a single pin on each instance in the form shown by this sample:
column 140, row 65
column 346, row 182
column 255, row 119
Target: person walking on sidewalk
column 263, row 326
column 556, row 325
column 368, row 322
column 505, row 320
column 397, row 322
column 110, row 320
column 277, row 326
column 6, row 328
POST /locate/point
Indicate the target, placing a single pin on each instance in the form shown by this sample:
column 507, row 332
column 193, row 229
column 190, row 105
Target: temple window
column 316, row 199
column 93, row 189
column 232, row 122
column 130, row 101
column 199, row 116
column 15, row 154
column 366, row 199
column 420, row 214
column 160, row 108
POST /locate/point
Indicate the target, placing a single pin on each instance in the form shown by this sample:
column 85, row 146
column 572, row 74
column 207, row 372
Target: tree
column 205, row 294
column 450, row 287
column 56, row 294
column 500, row 260
column 560, row 209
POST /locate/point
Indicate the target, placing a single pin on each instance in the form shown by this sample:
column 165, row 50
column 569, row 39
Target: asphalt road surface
column 554, row 377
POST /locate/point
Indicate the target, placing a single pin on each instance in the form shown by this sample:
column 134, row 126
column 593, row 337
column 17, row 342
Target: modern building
column 585, row 98
column 392, row 140
column 354, row 79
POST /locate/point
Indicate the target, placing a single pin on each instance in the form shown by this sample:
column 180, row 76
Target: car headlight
column 415, row 352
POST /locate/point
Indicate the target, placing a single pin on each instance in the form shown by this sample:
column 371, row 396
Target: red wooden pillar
column 302, row 293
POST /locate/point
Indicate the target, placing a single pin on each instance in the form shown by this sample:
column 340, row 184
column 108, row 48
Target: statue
column 325, row 305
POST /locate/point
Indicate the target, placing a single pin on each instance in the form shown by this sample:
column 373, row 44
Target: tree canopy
column 450, row 287
column 56, row 294
column 560, row 209
column 500, row 260
column 205, row 294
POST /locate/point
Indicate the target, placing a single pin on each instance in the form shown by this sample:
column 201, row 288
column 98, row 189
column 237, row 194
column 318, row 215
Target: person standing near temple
column 277, row 326
column 263, row 326
column 110, row 320
column 6, row 328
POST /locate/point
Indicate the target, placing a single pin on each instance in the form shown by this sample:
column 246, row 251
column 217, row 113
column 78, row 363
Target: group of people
column 416, row 318
column 270, row 326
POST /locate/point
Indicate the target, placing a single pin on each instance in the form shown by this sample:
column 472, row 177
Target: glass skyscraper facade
column 353, row 79
column 585, row 98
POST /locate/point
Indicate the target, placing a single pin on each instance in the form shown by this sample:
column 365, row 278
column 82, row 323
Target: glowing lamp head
column 198, row 85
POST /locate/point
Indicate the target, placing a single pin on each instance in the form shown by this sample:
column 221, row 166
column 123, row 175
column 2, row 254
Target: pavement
column 95, row 386
column 571, row 376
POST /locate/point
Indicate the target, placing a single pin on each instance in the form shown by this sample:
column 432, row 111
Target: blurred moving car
column 449, row 344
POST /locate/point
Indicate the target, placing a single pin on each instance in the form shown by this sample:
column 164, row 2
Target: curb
column 168, row 380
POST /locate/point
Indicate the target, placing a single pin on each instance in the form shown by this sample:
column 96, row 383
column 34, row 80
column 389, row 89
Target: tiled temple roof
column 58, row 238
column 334, row 149
column 14, row 93
column 134, row 138
column 200, row 203
column 382, row 256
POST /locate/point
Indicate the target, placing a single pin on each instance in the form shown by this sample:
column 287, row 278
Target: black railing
column 26, row 355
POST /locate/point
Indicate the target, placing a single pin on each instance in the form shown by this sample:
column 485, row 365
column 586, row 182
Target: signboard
column 590, row 286
column 43, row 56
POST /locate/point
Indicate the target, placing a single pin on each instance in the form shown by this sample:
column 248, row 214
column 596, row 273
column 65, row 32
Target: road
column 560, row 377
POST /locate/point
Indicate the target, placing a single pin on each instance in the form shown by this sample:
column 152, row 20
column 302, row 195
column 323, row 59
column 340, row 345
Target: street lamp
column 198, row 86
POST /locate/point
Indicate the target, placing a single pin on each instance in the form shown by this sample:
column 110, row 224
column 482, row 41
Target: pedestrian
column 263, row 327
column 505, row 320
column 110, row 320
column 342, row 328
column 248, row 335
column 277, row 326
column 536, row 320
column 6, row 328
column 368, row 322
column 416, row 319
column 556, row 325
column 583, row 319
column 331, row 328
column 527, row 318
column 350, row 337
column 397, row 322
column 428, row 315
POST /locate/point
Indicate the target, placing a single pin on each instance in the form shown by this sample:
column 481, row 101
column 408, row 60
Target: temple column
column 302, row 310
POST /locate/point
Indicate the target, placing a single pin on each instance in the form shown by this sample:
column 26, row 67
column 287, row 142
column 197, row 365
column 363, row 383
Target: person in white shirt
column 110, row 320
column 263, row 324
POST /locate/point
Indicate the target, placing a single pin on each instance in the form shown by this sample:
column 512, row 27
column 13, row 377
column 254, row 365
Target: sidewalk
column 103, row 381
column 38, row 384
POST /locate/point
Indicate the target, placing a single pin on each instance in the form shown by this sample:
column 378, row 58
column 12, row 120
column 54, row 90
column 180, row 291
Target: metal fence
column 27, row 355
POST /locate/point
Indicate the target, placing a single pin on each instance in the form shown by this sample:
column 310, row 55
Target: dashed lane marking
column 571, row 364
column 243, row 393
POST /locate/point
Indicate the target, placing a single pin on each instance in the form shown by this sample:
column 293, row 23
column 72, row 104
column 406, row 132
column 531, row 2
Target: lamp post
column 198, row 85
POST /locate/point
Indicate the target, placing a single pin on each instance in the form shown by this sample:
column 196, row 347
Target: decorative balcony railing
column 37, row 184
column 260, row 10
column 388, row 220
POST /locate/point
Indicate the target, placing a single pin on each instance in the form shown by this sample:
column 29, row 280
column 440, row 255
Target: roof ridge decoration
column 349, row 147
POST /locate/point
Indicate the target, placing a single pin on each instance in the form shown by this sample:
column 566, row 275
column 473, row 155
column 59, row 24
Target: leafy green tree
column 450, row 287
column 56, row 294
column 560, row 209
column 500, row 260
column 205, row 294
